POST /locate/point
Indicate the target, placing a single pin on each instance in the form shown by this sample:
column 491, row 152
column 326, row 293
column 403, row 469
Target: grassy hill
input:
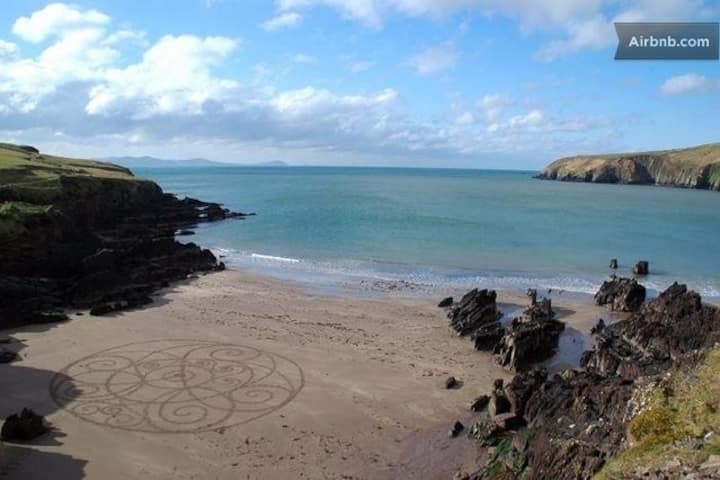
column 696, row 167
column 38, row 192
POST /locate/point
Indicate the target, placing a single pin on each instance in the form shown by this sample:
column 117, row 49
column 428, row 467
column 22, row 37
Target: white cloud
column 433, row 60
column 361, row 66
column 56, row 19
column 7, row 49
column 304, row 58
column 690, row 83
column 78, row 53
column 532, row 118
column 465, row 118
column 172, row 78
column 493, row 105
column 310, row 100
column 283, row 20
column 585, row 24
column 97, row 94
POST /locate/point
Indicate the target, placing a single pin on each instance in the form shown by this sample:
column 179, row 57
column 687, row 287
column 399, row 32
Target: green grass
column 33, row 185
column 663, row 430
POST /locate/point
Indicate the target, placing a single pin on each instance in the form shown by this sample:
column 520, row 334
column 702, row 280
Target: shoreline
column 372, row 403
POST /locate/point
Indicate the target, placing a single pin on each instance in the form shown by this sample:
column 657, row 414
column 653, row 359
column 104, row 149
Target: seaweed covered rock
column 621, row 294
column 476, row 309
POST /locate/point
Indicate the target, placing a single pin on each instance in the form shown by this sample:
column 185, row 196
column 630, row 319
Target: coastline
column 372, row 402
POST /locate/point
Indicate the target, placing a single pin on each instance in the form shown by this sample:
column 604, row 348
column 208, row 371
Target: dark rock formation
column 456, row 429
column 528, row 342
column 622, row 294
column 662, row 332
column 23, row 427
column 476, row 309
column 532, row 295
column 488, row 336
column 522, row 387
column 480, row 403
column 508, row 421
column 499, row 403
column 451, row 383
column 7, row 356
column 107, row 253
column 531, row 338
column 446, row 302
column 641, row 268
column 577, row 420
column 614, row 264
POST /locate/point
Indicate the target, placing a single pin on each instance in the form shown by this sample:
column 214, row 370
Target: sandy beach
column 344, row 387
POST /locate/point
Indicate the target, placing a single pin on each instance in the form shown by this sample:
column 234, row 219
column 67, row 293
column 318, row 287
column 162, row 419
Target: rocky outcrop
column 697, row 167
column 476, row 309
column 662, row 333
column 530, row 338
column 577, row 420
column 94, row 236
column 621, row 294
column 528, row 342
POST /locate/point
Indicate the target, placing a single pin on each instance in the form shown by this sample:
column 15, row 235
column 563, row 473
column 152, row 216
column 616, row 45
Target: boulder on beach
column 456, row 429
column 452, row 383
column 621, row 294
column 476, row 309
column 446, row 302
column 23, row 427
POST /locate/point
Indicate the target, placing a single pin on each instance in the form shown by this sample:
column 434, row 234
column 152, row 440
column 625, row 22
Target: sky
column 509, row 84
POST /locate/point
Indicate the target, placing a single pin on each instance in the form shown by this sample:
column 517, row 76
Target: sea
column 452, row 229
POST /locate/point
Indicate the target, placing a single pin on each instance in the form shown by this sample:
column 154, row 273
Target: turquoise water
column 454, row 228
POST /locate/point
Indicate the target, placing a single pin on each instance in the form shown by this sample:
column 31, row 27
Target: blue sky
column 453, row 83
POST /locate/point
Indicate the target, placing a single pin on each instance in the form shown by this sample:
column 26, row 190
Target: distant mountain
column 152, row 162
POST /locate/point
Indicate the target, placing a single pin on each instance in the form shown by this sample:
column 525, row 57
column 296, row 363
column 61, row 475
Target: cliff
column 87, row 234
column 697, row 167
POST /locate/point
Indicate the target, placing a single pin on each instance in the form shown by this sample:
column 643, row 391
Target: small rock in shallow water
column 456, row 429
column 641, row 268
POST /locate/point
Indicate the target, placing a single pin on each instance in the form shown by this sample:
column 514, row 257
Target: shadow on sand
column 27, row 387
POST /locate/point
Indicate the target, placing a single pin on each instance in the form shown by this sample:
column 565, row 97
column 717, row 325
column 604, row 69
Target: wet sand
column 333, row 387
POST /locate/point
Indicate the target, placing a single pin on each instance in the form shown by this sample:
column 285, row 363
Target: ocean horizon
column 452, row 228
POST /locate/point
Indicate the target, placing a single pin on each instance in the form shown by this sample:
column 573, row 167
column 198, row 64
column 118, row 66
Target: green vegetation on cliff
column 697, row 167
column 35, row 189
column 679, row 421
